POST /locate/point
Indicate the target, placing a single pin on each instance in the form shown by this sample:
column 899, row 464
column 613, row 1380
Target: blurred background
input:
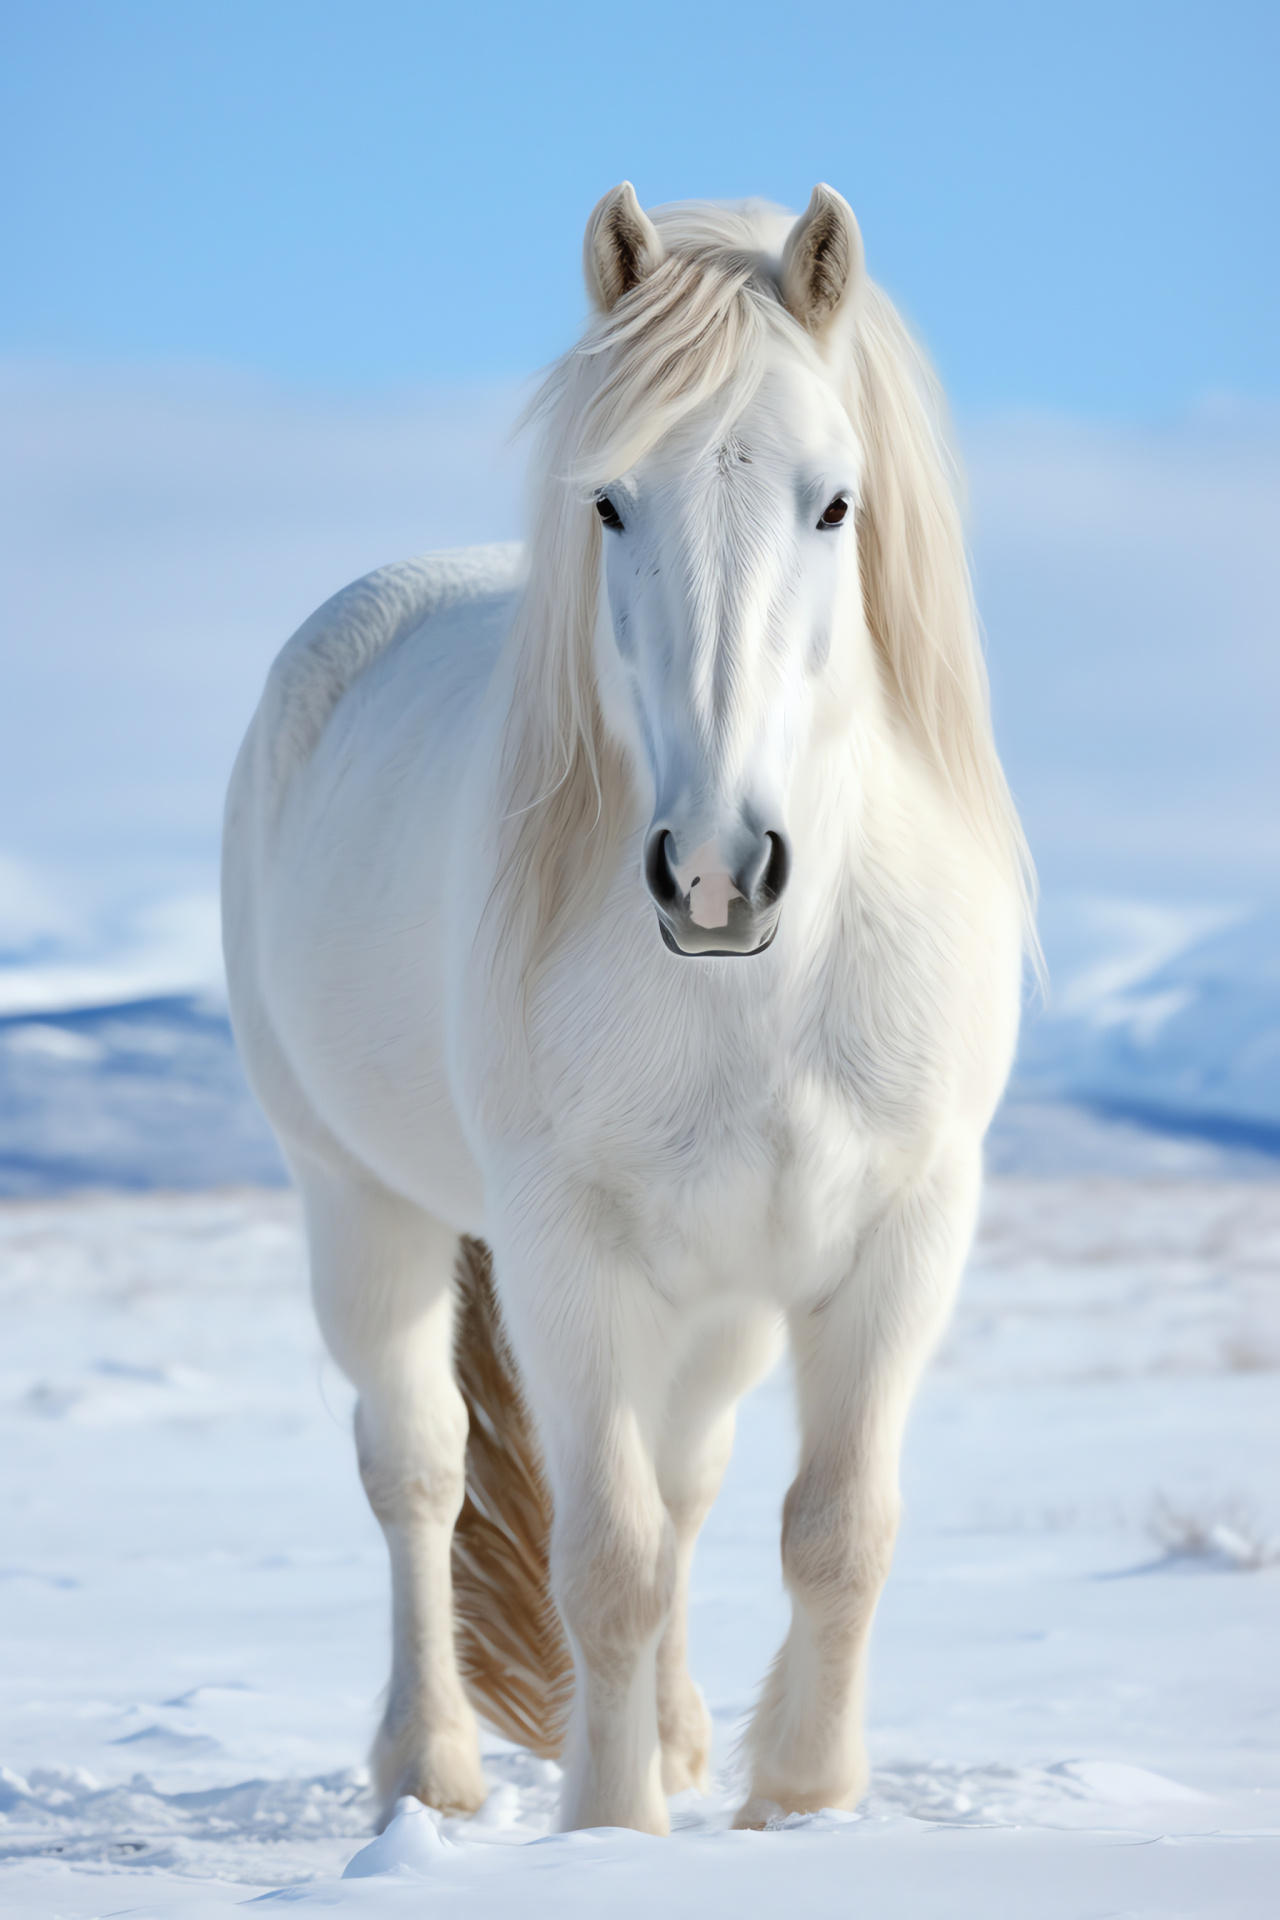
column 276, row 281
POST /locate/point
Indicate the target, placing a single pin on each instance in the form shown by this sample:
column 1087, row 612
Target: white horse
column 652, row 906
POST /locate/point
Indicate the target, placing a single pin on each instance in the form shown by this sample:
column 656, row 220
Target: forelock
column 691, row 336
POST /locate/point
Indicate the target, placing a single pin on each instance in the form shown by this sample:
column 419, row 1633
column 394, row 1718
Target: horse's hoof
column 443, row 1771
column 755, row 1814
column 773, row 1801
column 681, row 1772
column 458, row 1797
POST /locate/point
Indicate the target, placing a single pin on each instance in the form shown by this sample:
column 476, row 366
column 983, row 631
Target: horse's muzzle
column 704, row 909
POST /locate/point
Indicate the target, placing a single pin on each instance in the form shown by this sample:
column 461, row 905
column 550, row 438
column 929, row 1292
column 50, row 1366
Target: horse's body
column 468, row 788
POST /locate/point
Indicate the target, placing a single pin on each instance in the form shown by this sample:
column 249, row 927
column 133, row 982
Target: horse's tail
column 512, row 1653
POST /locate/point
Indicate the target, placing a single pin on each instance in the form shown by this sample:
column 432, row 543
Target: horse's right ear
column 621, row 249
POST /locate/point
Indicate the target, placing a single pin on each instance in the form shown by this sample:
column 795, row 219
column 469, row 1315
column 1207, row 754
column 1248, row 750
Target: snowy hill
column 1159, row 1051
column 1180, row 1033
column 147, row 1094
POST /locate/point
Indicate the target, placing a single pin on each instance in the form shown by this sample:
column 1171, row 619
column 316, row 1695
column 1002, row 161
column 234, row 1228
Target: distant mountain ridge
column 1191, row 1046
column 141, row 1095
column 1172, row 1039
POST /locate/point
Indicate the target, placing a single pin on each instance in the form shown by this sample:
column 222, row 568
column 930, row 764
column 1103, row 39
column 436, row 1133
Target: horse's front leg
column 690, row 1476
column 697, row 1439
column 858, row 1356
column 593, row 1338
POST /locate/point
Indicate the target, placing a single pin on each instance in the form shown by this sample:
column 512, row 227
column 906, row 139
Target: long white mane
column 694, row 332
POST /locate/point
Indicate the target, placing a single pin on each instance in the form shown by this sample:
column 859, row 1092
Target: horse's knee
column 614, row 1575
column 414, row 1467
column 837, row 1544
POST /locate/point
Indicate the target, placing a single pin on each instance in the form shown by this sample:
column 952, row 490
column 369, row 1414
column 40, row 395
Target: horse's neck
column 874, row 827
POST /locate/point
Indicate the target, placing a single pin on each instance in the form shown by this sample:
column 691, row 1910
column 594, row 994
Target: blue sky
column 1076, row 204
column 272, row 275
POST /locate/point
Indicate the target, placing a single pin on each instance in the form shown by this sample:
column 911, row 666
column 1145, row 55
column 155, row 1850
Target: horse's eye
column 834, row 513
column 609, row 513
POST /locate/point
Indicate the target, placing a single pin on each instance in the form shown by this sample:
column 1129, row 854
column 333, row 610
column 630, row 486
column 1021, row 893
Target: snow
column 1170, row 1017
column 1075, row 1699
column 144, row 1094
column 171, row 948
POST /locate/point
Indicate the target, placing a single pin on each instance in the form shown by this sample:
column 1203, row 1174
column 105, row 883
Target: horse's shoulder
column 332, row 650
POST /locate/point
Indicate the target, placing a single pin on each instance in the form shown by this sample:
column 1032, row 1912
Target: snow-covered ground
column 1075, row 1704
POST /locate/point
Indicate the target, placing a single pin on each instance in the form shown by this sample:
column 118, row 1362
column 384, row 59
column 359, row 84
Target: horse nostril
column 778, row 870
column 657, row 869
column 762, row 879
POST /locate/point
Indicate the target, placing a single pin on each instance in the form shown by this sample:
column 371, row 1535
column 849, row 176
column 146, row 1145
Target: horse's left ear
column 622, row 247
column 822, row 264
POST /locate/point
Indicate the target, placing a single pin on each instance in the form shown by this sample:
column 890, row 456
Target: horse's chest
column 747, row 1140
column 775, row 1192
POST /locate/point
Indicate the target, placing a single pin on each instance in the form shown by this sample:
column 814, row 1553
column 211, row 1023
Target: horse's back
column 336, row 648
column 360, row 736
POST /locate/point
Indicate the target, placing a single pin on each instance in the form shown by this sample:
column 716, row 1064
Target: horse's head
column 730, row 611
column 746, row 549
